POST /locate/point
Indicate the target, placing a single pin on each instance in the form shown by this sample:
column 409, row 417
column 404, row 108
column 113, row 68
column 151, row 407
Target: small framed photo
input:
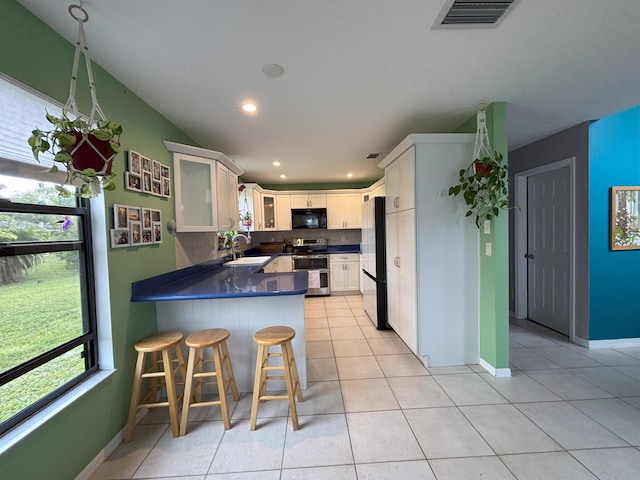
column 156, row 171
column 135, row 162
column 156, row 216
column 146, row 219
column 166, row 187
column 120, row 217
column 146, row 182
column 133, row 213
column 156, row 188
column 147, row 238
column 156, row 232
column 146, row 164
column 133, row 182
column 135, row 233
column 164, row 171
column 625, row 218
column 119, row 238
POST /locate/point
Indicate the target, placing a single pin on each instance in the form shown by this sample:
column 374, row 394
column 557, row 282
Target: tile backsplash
column 198, row 247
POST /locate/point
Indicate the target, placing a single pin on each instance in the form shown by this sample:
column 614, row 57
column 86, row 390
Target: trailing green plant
column 483, row 185
column 61, row 142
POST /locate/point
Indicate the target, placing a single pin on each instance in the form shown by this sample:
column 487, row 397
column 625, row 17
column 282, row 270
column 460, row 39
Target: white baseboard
column 614, row 343
column 496, row 372
column 109, row 448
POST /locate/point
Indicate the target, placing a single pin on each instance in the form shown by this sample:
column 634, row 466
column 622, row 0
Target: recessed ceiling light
column 272, row 70
column 276, row 163
column 349, row 175
column 250, row 107
column 283, row 176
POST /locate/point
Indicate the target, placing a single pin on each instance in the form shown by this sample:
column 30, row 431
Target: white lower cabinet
column 282, row 263
column 345, row 272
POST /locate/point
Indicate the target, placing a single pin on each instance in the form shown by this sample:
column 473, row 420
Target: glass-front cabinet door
column 194, row 200
column 269, row 211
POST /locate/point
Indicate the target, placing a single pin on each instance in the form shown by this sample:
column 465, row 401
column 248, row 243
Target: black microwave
column 308, row 218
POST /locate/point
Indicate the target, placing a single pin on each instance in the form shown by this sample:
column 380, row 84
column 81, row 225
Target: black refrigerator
column 374, row 263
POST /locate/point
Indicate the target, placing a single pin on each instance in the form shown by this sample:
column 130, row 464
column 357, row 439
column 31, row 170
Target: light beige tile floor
column 372, row 411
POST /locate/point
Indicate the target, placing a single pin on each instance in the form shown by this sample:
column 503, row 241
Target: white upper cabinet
column 206, row 189
column 344, row 210
column 195, row 180
column 257, row 210
column 318, row 200
column 400, row 182
column 283, row 212
column 227, row 196
column 268, row 211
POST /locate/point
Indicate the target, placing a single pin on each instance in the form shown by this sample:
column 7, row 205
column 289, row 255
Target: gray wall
column 573, row 142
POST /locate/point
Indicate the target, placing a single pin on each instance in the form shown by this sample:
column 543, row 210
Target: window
column 48, row 320
column 47, row 282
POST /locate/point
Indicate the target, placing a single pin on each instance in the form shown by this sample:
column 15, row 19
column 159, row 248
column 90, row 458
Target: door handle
column 528, row 255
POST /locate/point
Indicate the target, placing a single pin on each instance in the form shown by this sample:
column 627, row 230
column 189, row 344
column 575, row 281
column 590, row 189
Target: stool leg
column 135, row 398
column 171, row 392
column 181, row 362
column 154, row 385
column 226, row 361
column 186, row 401
column 294, row 371
column 290, row 387
column 264, row 372
column 222, row 392
column 257, row 386
column 198, row 367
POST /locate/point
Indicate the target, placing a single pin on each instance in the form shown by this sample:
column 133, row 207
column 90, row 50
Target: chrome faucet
column 233, row 243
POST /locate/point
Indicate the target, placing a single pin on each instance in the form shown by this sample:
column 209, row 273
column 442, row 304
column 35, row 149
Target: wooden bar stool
column 271, row 337
column 159, row 348
column 216, row 338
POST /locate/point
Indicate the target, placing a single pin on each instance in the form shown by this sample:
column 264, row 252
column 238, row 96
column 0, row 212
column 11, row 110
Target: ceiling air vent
column 473, row 13
column 371, row 156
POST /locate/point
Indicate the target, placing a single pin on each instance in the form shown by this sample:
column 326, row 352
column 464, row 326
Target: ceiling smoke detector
column 473, row 13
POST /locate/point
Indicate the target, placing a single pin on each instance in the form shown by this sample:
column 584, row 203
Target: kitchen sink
column 242, row 261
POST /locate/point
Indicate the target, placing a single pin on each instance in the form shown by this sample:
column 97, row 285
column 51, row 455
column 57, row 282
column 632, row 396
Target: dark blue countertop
column 344, row 248
column 211, row 280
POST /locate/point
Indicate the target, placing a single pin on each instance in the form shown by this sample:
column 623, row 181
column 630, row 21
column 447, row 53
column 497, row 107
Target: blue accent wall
column 614, row 158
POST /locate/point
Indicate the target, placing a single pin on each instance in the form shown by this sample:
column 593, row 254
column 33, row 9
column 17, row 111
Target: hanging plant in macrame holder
column 86, row 147
column 483, row 184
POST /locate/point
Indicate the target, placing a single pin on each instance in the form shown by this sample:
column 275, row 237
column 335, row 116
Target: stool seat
column 272, row 337
column 160, row 341
column 198, row 342
column 158, row 350
column 207, row 338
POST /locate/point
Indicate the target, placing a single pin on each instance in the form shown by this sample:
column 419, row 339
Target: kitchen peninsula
column 241, row 299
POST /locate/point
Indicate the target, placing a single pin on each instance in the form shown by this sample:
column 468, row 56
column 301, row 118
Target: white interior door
column 548, row 249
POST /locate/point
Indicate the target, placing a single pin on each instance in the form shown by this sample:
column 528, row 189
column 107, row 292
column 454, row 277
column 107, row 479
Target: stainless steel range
column 311, row 255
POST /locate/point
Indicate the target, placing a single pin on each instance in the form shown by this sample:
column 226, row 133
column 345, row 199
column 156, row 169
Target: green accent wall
column 494, row 269
column 35, row 55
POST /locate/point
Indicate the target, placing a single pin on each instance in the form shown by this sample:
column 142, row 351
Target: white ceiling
column 359, row 74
